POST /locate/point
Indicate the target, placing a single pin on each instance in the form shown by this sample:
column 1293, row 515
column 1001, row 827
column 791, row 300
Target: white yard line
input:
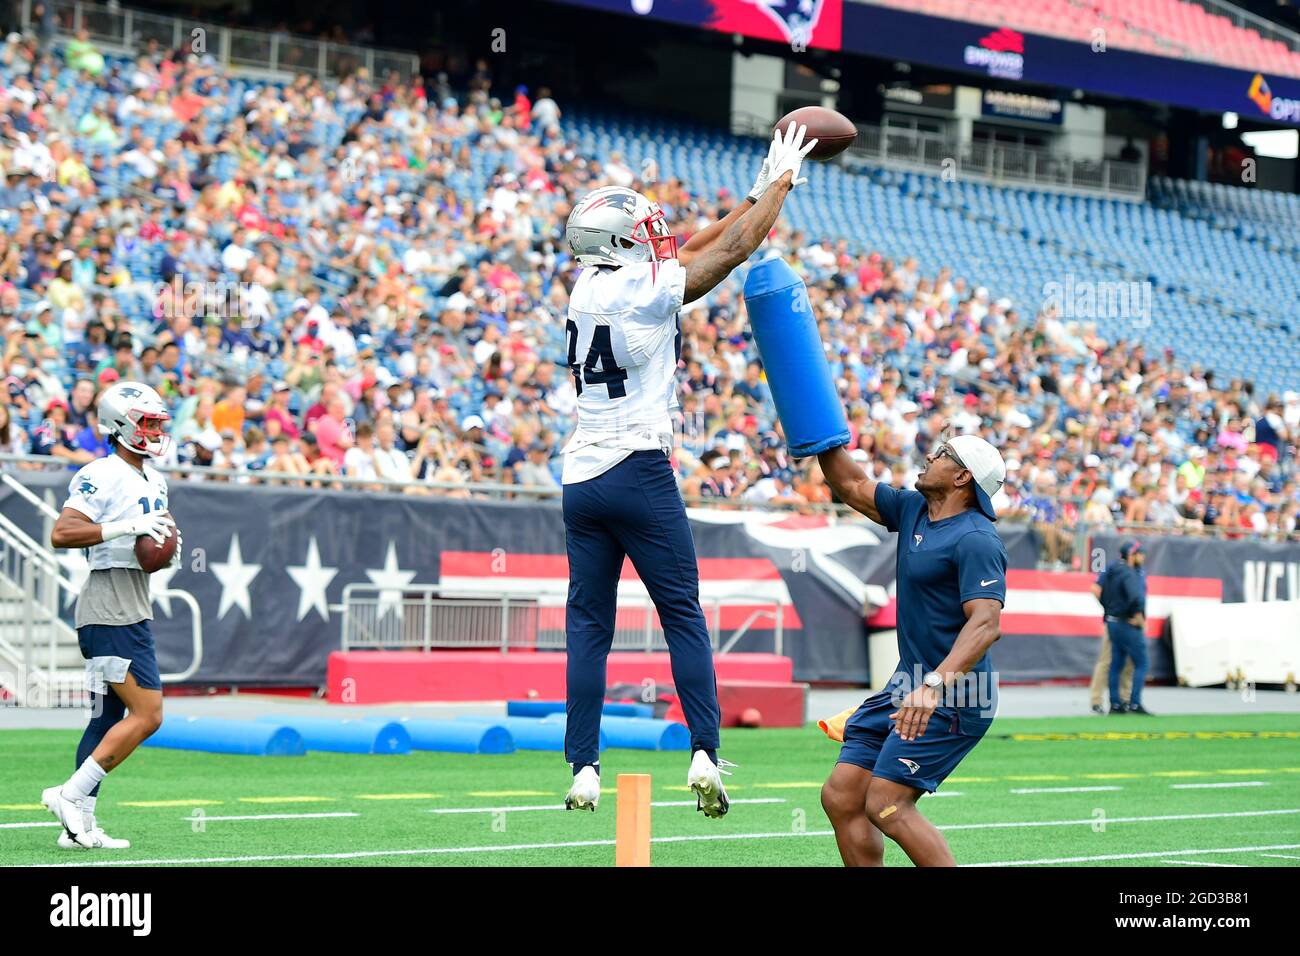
column 1063, row 789
column 1137, row 856
column 1198, row 863
column 205, row 818
column 34, row 823
column 508, row 848
column 1218, row 786
column 560, row 807
column 1089, row 821
column 1281, row 856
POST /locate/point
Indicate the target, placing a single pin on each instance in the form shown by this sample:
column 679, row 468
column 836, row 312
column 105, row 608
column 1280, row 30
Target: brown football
column 833, row 131
column 153, row 556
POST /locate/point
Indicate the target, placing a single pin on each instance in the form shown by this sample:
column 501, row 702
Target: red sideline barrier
column 380, row 677
column 781, row 704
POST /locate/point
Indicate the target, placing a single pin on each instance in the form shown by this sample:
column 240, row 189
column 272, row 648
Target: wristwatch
column 934, row 681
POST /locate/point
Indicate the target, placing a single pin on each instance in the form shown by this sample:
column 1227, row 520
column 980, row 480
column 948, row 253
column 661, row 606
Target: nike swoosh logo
column 985, row 584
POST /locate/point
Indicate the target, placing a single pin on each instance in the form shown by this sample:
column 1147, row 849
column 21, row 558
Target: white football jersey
column 109, row 489
column 624, row 340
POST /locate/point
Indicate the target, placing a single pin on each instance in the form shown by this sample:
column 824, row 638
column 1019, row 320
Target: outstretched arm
column 854, row 486
column 711, row 233
column 708, row 267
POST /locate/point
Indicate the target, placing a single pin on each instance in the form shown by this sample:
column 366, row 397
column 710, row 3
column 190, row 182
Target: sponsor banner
column 1022, row 106
column 991, row 51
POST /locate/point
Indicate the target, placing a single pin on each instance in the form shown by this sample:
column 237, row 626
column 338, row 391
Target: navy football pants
column 633, row 510
column 1127, row 643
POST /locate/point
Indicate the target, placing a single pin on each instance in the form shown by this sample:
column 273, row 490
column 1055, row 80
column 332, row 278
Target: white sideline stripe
column 1199, row 863
column 1138, row 856
column 271, row 816
column 553, row 806
column 1063, row 789
column 1281, row 856
column 34, row 823
column 1218, row 786
column 444, row 850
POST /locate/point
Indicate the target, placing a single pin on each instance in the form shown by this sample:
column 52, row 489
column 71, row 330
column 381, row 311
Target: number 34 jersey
column 624, row 340
column 109, row 489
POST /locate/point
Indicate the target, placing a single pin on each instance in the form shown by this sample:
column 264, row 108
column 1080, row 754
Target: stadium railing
column 1001, row 164
column 247, row 51
column 505, row 622
column 1250, row 21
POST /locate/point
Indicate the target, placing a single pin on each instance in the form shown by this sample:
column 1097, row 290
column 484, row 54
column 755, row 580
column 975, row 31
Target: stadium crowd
column 368, row 279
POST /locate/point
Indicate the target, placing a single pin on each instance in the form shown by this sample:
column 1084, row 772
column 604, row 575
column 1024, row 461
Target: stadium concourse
column 382, row 289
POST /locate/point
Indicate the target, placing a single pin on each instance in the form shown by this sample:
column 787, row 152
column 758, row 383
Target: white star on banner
column 159, row 582
column 235, row 577
column 392, row 579
column 76, row 569
column 312, row 579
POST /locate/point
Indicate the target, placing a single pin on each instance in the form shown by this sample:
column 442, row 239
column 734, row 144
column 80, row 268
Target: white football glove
column 764, row 175
column 157, row 526
column 787, row 153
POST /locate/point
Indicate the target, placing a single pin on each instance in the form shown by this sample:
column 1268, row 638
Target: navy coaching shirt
column 941, row 565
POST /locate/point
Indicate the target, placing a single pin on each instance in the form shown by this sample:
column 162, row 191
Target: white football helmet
column 617, row 226
column 134, row 415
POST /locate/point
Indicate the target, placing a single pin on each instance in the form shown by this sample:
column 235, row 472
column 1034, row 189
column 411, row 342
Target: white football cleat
column 96, row 837
column 705, row 779
column 585, row 792
column 68, row 812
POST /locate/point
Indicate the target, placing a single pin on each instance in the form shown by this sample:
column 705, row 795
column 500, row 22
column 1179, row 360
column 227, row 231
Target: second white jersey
column 624, row 340
column 108, row 489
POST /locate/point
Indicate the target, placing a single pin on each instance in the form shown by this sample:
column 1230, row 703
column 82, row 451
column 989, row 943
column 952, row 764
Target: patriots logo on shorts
column 911, row 765
column 86, row 488
column 918, row 539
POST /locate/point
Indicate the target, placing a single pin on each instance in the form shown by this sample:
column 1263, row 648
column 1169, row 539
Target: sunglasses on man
column 945, row 450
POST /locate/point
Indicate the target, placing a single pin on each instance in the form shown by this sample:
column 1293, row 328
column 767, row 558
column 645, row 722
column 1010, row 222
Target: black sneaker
column 1098, row 709
column 1136, row 709
column 1120, row 709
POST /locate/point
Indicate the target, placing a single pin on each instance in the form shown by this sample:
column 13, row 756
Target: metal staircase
column 40, row 660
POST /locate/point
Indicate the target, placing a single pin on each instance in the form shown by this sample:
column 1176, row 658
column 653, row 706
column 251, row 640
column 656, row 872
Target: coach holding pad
column 951, row 585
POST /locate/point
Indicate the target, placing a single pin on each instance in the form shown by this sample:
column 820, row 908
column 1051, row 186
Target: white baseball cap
column 985, row 465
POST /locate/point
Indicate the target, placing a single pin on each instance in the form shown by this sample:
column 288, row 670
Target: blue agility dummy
column 791, row 349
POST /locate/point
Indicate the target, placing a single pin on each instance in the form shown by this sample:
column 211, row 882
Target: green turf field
column 1194, row 786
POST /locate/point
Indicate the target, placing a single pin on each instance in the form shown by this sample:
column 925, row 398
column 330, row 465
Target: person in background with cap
column 1122, row 591
column 951, row 574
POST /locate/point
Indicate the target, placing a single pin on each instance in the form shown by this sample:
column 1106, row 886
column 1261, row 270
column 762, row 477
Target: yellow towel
column 833, row 727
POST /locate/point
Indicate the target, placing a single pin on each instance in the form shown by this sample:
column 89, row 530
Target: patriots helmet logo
column 129, row 392
column 911, row 765
column 796, row 18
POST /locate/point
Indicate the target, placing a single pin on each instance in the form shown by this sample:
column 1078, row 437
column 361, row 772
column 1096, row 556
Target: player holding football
column 111, row 502
column 620, row 494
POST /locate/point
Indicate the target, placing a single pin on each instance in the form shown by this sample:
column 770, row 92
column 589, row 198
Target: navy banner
column 992, row 52
column 268, row 567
